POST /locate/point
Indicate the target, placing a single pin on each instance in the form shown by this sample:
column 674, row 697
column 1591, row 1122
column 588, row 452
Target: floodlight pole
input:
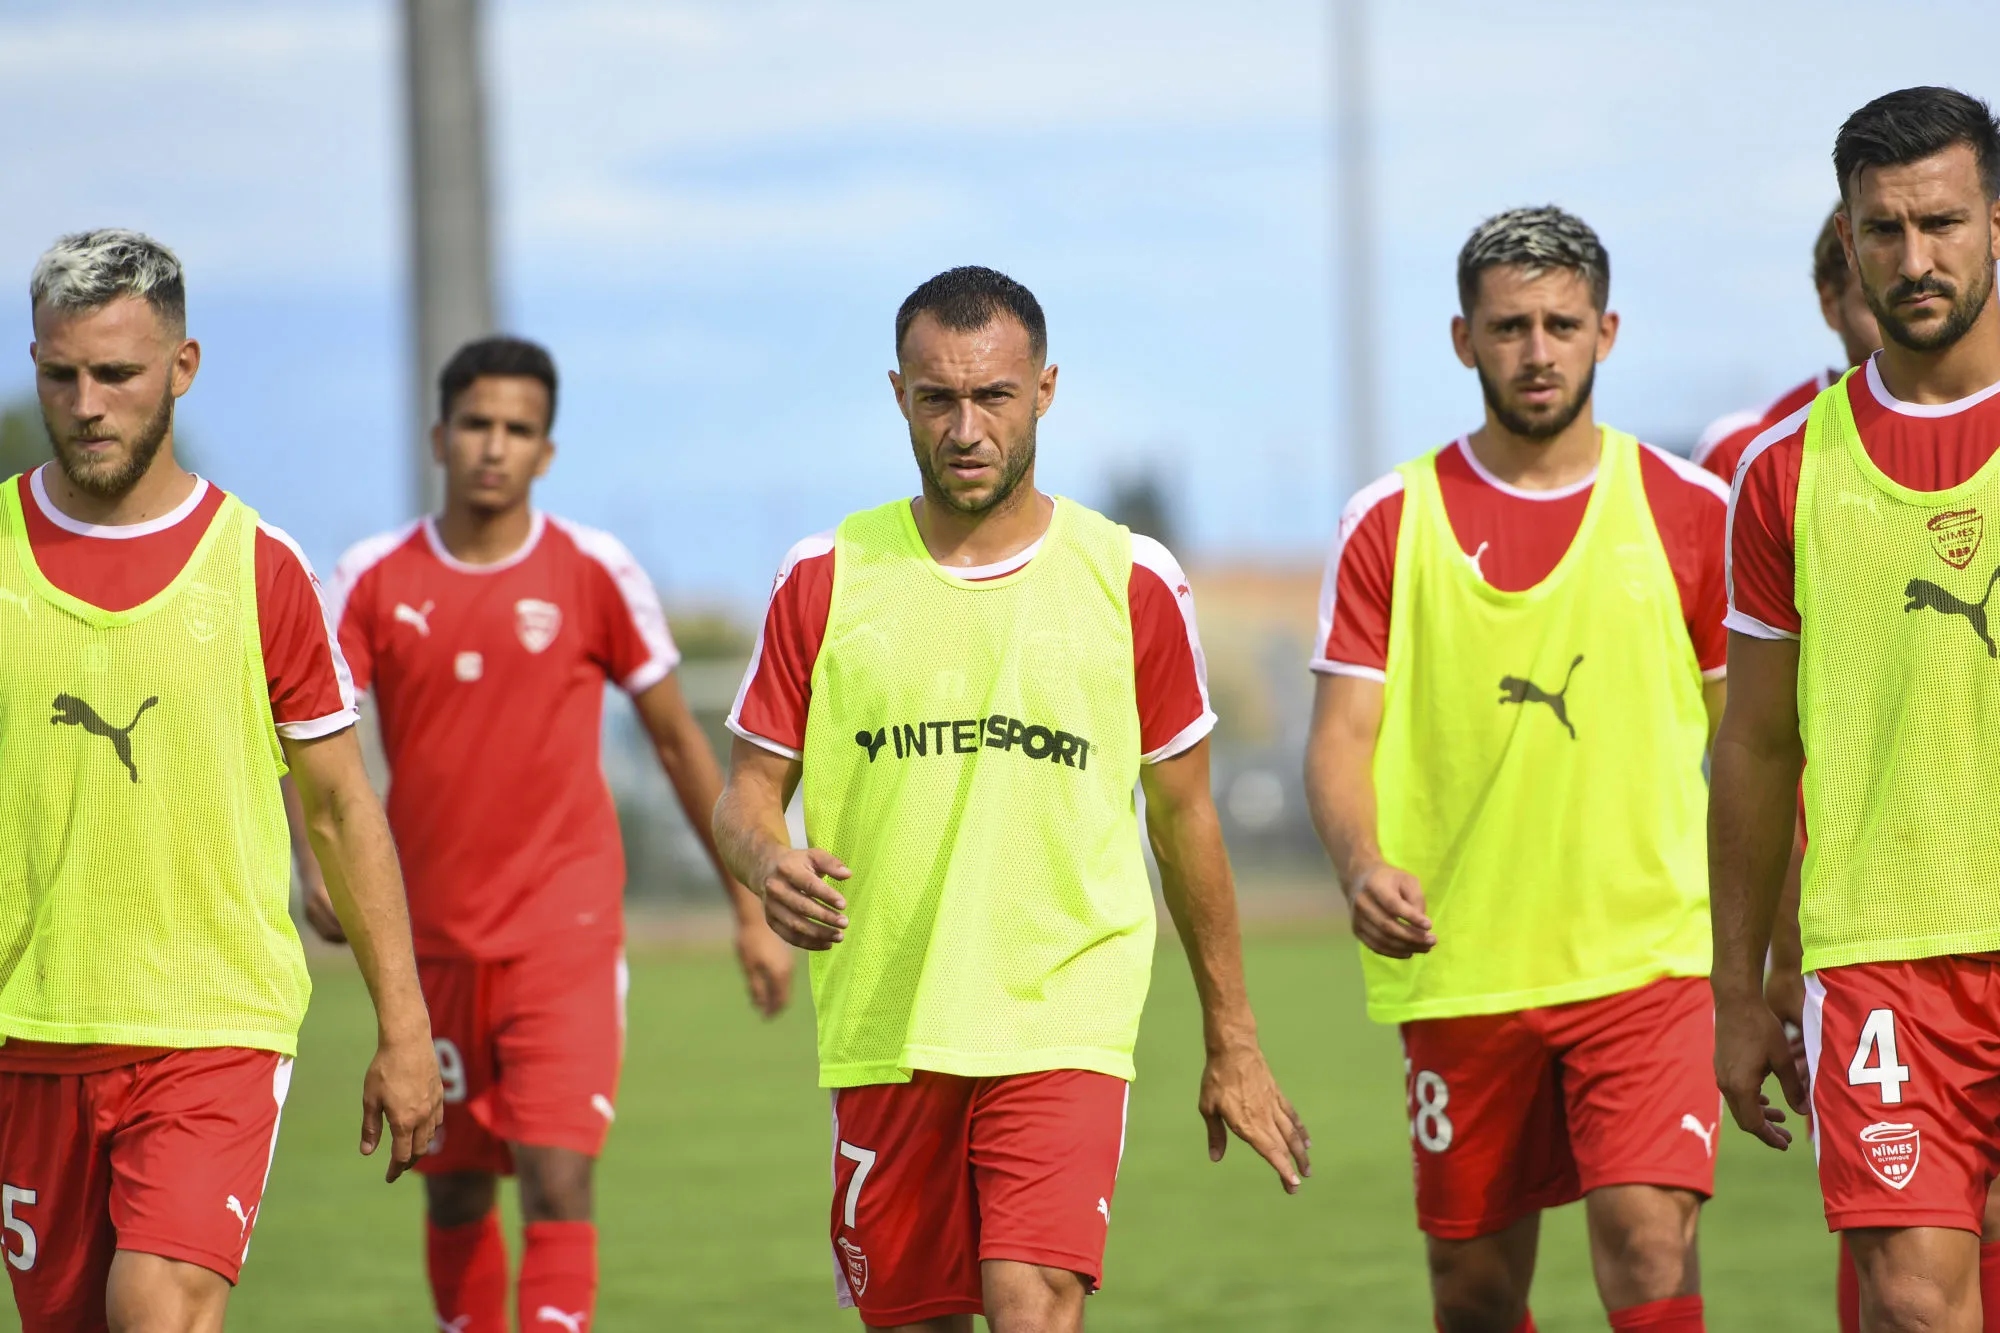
column 451, row 255
column 1354, row 207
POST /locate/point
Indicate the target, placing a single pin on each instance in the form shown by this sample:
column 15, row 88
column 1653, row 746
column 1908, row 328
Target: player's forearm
column 690, row 767
column 1750, row 841
column 1200, row 891
column 302, row 852
column 357, row 855
column 749, row 830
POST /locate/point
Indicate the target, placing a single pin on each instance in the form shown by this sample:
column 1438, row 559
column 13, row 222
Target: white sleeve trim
column 641, row 599
column 1751, row 454
column 1720, row 429
column 1157, row 560
column 1358, row 508
column 1716, row 673
column 762, row 742
column 1755, row 628
column 1690, row 473
column 806, row 548
column 1188, row 737
column 1327, row 667
column 319, row 726
column 342, row 675
column 359, row 558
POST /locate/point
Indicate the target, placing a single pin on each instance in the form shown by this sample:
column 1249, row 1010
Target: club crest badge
column 855, row 1263
column 537, row 623
column 205, row 610
column 1893, row 1151
column 1955, row 534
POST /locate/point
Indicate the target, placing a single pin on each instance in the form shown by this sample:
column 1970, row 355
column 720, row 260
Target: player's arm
column 1386, row 904
column 317, row 906
column 350, row 837
column 756, row 846
column 690, row 766
column 1715, row 699
column 1754, row 775
column 1238, row 1092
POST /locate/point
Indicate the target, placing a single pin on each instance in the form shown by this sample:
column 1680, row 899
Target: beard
column 1014, row 465
column 1531, row 428
column 1965, row 308
column 114, row 478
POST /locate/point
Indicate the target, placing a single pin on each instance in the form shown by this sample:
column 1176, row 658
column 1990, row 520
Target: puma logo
column 235, row 1205
column 1922, row 592
column 1104, row 1211
column 74, row 712
column 26, row 603
column 1859, row 501
column 1705, row 1133
column 1474, row 558
column 454, row 1325
column 420, row 618
column 1519, row 690
column 548, row 1314
column 872, row 743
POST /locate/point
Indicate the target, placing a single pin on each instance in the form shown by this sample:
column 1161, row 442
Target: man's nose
column 1538, row 348
column 1915, row 260
column 965, row 428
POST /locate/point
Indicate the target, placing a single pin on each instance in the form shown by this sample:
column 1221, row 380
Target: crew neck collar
column 1001, row 568
column 537, row 523
column 1559, row 493
column 112, row 531
column 1873, row 375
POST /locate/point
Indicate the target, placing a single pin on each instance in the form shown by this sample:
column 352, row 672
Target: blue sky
column 711, row 210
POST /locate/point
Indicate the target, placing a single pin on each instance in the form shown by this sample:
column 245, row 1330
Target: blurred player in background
column 1525, row 868
column 488, row 634
column 1845, row 310
column 1860, row 582
column 151, row 983
column 970, row 684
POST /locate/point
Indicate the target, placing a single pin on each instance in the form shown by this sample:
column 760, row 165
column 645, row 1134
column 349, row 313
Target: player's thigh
column 1045, row 1151
column 1486, row 1123
column 148, row 1293
column 558, row 1041
column 904, row 1220
column 1638, row 1073
column 1032, row 1298
column 193, row 1153
column 458, row 993
column 1905, row 1125
column 55, row 1189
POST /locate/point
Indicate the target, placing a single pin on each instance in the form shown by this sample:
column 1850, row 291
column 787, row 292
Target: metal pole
column 1355, row 229
column 451, row 257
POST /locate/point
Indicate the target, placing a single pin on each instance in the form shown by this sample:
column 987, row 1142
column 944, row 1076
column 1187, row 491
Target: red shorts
column 529, row 1048
column 1904, row 1060
column 1513, row 1113
column 932, row 1176
column 165, row 1156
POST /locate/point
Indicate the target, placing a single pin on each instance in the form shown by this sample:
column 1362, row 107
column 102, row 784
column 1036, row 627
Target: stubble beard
column 1964, row 313
column 113, row 480
column 1013, row 467
column 1528, row 428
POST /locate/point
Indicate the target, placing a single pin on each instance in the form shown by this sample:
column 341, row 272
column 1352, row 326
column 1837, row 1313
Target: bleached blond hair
column 89, row 269
column 1537, row 240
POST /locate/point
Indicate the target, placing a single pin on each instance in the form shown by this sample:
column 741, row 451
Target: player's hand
column 1750, row 1044
column 1387, row 912
column 320, row 915
column 1785, row 992
column 767, row 965
column 404, row 1091
column 799, row 904
column 1238, row 1095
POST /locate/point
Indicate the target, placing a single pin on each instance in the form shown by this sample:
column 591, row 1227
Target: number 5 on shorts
column 1878, row 1039
column 25, row 1234
column 864, row 1162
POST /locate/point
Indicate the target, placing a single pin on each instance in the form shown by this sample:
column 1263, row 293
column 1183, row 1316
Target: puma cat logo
column 1922, row 592
column 1519, row 690
column 417, row 617
column 1706, row 1133
column 74, row 712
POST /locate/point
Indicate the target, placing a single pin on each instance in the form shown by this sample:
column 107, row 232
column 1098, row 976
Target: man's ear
column 437, row 444
column 548, row 457
column 1045, row 389
column 1461, row 341
column 902, row 397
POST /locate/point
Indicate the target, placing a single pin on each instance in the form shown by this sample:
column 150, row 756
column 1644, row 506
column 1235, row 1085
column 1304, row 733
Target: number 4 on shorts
column 1878, row 1040
column 864, row 1162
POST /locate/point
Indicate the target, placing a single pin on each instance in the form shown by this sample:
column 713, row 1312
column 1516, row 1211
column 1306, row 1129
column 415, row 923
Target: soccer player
column 969, row 685
column 488, row 634
column 1846, row 312
column 1524, row 868
column 163, row 658
column 1860, row 583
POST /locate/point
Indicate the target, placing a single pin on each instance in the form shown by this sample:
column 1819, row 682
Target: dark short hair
column 1535, row 239
column 1912, row 124
column 968, row 298
column 1829, row 257
column 498, row 355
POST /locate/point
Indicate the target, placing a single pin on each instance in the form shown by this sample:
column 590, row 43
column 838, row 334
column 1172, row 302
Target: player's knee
column 1645, row 1246
column 1031, row 1298
column 555, row 1184
column 150, row 1294
column 1472, row 1294
column 459, row 1198
column 1910, row 1302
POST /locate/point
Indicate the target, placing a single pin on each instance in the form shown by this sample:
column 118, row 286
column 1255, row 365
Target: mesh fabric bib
column 1539, row 764
column 144, row 880
column 1899, row 705
column 970, row 753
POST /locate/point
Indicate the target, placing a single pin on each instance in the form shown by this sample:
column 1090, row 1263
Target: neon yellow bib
column 1539, row 764
column 144, row 884
column 1899, row 705
column 971, row 753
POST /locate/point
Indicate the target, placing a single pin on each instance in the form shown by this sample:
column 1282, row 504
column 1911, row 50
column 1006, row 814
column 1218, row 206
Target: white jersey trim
column 803, row 550
column 1690, row 472
column 538, row 523
column 1157, row 560
column 1744, row 623
column 1326, row 666
column 642, row 603
column 1358, row 508
column 116, row 532
column 347, row 715
column 1464, row 447
column 1901, row 408
column 1720, row 429
column 355, row 563
column 1736, row 620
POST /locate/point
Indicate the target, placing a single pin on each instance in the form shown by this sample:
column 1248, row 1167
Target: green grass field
column 713, row 1193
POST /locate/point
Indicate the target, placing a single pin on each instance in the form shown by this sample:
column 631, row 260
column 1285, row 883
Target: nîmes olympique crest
column 856, row 1264
column 205, row 610
column 1956, row 533
column 1892, row 1151
column 537, row 623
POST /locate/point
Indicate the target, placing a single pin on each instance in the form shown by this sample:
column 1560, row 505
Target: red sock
column 559, row 1276
column 1676, row 1314
column 468, row 1268
column 1989, row 1285
column 1847, row 1290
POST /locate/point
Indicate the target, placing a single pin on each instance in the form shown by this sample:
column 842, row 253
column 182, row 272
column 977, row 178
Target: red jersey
column 118, row 567
column 490, row 684
column 1514, row 539
column 1169, row 672
column 1721, row 445
column 1924, row 446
